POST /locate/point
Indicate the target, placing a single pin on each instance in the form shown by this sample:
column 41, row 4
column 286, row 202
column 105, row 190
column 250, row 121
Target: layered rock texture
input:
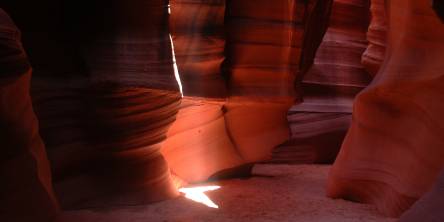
column 393, row 152
column 198, row 143
column 105, row 117
column 238, row 61
column 26, row 192
column 429, row 207
column 197, row 28
column 318, row 124
column 136, row 98
column 376, row 36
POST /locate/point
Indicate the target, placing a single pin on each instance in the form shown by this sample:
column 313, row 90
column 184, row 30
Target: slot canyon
column 222, row 110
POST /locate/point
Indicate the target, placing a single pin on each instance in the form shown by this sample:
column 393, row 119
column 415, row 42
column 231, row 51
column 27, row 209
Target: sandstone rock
column 198, row 143
column 376, row 36
column 197, row 148
column 104, row 142
column 393, row 152
column 197, row 27
column 26, row 192
column 105, row 126
column 236, row 114
column 264, row 58
column 429, row 207
column 318, row 124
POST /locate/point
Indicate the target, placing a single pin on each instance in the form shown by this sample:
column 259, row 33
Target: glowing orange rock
column 234, row 112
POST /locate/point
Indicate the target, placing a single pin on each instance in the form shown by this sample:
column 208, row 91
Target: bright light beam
column 176, row 70
column 198, row 194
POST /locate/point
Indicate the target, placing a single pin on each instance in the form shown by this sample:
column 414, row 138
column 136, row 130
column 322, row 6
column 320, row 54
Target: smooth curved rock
column 240, row 114
column 429, row 207
column 264, row 58
column 393, row 151
column 26, row 192
column 197, row 27
column 197, row 148
column 198, row 143
column 105, row 142
column 104, row 125
column 377, row 32
column 319, row 124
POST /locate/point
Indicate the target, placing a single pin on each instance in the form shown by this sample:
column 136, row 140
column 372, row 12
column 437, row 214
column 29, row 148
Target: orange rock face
column 318, row 124
column 26, row 192
column 234, row 113
column 263, row 53
column 376, row 36
column 197, row 28
column 198, row 143
column 429, row 207
column 393, row 152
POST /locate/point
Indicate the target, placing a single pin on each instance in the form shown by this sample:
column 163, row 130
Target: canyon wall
column 26, row 192
column 105, row 93
column 106, row 90
column 263, row 52
column 198, row 143
column 246, row 56
column 393, row 152
column 319, row 123
column 376, row 36
column 429, row 207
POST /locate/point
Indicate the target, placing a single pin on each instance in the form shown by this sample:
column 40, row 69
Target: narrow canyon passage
column 221, row 110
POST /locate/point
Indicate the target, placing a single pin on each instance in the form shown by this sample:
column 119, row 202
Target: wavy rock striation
column 264, row 58
column 104, row 125
column 393, row 152
column 376, row 35
column 26, row 192
column 429, row 207
column 319, row 124
column 248, row 55
column 198, row 143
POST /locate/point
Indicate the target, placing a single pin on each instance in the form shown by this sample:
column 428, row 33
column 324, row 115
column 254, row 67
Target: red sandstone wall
column 26, row 192
column 429, row 207
column 393, row 152
column 198, row 143
column 239, row 115
column 376, row 36
column 104, row 127
column 318, row 124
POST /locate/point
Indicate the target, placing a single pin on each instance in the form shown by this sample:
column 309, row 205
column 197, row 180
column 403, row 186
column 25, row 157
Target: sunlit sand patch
column 197, row 194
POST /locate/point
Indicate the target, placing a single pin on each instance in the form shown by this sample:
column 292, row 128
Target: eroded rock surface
column 376, row 36
column 240, row 114
column 105, row 116
column 393, row 152
column 319, row 123
column 26, row 192
column 429, row 207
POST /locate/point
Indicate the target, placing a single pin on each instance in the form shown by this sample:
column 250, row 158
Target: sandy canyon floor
column 274, row 193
